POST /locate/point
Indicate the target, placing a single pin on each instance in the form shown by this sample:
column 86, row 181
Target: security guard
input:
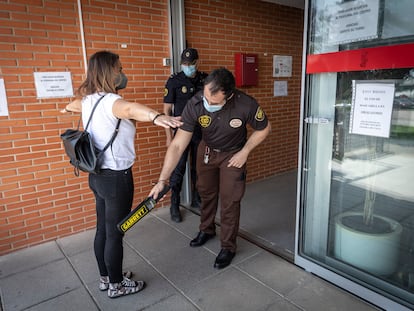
column 180, row 87
column 223, row 112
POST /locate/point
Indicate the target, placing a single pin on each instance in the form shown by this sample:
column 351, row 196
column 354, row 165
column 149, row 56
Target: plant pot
column 374, row 250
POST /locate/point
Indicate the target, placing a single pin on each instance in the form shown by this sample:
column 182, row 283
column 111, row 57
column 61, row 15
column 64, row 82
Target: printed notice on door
column 352, row 21
column 371, row 108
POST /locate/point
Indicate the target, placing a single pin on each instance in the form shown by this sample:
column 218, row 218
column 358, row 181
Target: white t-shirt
column 122, row 153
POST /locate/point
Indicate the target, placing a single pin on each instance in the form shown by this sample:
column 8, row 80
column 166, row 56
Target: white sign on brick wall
column 53, row 84
column 4, row 111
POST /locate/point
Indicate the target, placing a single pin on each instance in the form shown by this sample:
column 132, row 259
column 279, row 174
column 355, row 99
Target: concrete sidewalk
column 63, row 275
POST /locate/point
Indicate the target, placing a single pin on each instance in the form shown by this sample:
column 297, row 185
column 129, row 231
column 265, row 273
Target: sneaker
column 126, row 287
column 104, row 280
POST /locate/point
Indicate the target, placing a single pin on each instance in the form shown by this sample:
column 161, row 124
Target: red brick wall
column 40, row 198
column 219, row 29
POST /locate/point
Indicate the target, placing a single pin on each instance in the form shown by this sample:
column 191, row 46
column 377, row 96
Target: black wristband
column 158, row 115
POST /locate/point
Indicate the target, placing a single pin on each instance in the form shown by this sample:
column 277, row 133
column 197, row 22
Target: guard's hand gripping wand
column 140, row 211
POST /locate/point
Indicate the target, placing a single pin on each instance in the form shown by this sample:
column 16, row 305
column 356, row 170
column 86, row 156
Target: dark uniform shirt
column 225, row 129
column 179, row 89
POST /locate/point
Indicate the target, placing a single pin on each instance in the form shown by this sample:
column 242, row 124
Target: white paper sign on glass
column 371, row 108
column 352, row 21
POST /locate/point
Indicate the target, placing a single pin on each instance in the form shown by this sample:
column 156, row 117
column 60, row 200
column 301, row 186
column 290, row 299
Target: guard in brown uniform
column 223, row 112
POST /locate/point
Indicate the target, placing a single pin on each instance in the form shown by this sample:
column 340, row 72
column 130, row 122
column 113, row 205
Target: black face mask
column 121, row 82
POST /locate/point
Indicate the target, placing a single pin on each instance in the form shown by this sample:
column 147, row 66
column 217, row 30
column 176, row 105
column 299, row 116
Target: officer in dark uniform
column 180, row 87
column 223, row 113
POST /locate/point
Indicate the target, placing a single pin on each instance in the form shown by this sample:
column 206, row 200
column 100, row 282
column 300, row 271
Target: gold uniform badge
column 204, row 121
column 260, row 115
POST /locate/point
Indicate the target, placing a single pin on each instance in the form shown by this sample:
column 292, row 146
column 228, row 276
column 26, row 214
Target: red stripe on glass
column 384, row 57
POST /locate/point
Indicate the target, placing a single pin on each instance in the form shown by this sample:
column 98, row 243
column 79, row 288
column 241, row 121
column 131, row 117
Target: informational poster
column 4, row 110
column 351, row 21
column 280, row 88
column 371, row 108
column 282, row 66
column 53, row 84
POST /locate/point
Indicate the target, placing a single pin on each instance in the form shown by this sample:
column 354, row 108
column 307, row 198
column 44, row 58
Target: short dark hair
column 221, row 80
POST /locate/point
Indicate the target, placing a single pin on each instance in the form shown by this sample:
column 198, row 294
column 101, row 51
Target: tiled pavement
column 62, row 275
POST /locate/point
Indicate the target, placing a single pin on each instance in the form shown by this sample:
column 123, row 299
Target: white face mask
column 211, row 108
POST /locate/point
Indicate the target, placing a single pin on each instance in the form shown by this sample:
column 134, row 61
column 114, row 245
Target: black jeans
column 114, row 192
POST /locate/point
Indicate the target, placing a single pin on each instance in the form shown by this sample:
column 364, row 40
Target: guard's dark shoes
column 175, row 213
column 200, row 239
column 224, row 258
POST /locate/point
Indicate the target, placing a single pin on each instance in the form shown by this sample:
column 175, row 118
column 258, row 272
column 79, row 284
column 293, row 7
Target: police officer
column 223, row 113
column 180, row 87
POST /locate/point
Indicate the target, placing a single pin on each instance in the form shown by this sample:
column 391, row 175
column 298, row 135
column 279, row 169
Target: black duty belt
column 238, row 147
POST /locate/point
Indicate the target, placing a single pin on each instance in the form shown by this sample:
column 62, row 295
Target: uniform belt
column 238, row 147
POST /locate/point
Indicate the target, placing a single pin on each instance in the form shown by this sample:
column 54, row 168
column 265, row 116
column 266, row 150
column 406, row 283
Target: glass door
column 356, row 199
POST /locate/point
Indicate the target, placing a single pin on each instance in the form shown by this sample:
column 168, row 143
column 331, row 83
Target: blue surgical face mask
column 189, row 71
column 211, row 108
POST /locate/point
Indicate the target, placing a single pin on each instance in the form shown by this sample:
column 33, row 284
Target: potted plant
column 366, row 240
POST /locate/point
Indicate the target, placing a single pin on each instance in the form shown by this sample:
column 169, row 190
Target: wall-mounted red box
column 246, row 69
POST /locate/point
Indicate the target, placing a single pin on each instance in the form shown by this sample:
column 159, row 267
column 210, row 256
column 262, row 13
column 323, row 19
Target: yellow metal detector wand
column 140, row 211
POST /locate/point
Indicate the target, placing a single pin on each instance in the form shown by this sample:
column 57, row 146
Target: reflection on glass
column 350, row 24
column 372, row 198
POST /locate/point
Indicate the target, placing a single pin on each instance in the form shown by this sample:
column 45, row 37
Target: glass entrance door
column 356, row 197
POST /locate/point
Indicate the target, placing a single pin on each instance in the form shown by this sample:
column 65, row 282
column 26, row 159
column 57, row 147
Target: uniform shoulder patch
column 260, row 115
column 204, row 121
column 165, row 92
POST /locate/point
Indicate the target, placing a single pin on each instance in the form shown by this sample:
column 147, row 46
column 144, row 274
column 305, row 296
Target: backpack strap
column 93, row 110
column 115, row 133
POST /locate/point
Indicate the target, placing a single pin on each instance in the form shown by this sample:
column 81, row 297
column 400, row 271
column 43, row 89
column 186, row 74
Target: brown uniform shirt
column 225, row 129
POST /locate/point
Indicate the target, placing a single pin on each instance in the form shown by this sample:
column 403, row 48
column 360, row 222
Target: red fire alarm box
column 246, row 69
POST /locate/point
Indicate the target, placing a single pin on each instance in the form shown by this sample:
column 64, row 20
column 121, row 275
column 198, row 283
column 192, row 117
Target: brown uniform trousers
column 217, row 181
